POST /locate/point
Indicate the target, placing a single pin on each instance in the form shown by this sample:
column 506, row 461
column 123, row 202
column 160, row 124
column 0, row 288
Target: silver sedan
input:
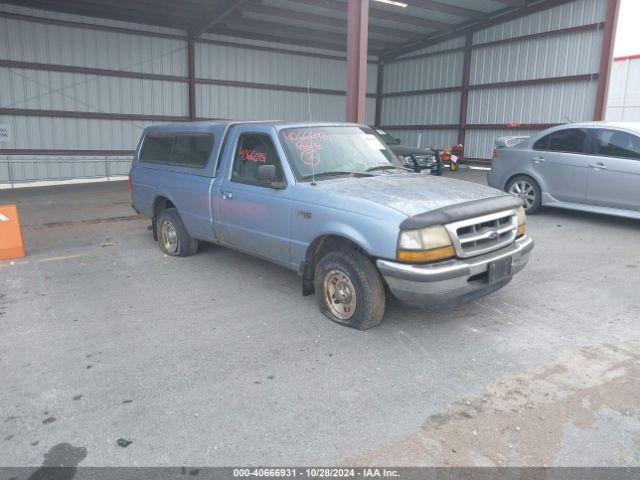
column 592, row 166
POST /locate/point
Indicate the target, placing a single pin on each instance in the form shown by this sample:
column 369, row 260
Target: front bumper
column 452, row 281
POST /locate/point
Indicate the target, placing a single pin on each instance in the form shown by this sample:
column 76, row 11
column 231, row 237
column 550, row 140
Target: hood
column 405, row 150
column 410, row 193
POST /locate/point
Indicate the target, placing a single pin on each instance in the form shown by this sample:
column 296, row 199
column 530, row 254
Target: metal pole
column 606, row 57
column 106, row 167
column 191, row 74
column 464, row 94
column 379, row 91
column 10, row 171
column 357, row 36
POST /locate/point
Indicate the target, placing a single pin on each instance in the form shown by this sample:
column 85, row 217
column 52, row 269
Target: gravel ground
column 217, row 359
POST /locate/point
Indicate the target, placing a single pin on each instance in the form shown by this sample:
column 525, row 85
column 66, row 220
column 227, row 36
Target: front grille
column 425, row 160
column 479, row 235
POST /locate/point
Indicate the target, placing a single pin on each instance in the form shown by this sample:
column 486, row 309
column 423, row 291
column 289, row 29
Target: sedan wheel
column 525, row 191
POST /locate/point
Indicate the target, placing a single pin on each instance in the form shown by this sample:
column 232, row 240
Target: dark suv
column 416, row 158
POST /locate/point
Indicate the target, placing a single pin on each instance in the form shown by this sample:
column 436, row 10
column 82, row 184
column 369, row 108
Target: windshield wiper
column 384, row 167
column 334, row 173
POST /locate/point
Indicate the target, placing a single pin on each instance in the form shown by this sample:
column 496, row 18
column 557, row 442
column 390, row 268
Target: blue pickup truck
column 329, row 201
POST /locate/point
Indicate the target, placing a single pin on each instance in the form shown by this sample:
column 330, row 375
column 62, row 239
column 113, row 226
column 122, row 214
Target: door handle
column 598, row 166
column 227, row 195
column 538, row 160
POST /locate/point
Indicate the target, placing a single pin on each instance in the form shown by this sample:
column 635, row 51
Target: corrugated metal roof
column 391, row 27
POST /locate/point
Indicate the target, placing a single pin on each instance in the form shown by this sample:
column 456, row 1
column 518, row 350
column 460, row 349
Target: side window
column 569, row 140
column 192, row 150
column 542, row 143
column 254, row 150
column 613, row 143
column 157, row 149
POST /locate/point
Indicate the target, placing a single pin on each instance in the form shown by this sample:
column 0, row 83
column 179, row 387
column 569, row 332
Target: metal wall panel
column 242, row 64
column 434, row 108
column 580, row 12
column 293, row 47
column 437, row 71
column 17, row 169
column 547, row 103
column 239, row 103
column 42, row 43
column 46, row 90
column 574, row 53
column 427, row 138
column 623, row 103
column 480, row 142
column 72, row 133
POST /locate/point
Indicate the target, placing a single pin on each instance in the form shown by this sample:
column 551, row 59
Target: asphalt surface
column 217, row 359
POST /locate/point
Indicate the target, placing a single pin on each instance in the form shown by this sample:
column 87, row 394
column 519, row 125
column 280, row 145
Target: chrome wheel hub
column 340, row 295
column 525, row 192
column 169, row 236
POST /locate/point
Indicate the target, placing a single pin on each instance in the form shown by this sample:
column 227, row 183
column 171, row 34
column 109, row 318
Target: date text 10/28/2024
column 316, row 472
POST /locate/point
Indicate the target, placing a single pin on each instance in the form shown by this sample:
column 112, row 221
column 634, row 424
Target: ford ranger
column 329, row 201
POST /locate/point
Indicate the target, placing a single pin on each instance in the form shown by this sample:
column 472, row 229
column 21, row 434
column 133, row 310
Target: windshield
column 341, row 150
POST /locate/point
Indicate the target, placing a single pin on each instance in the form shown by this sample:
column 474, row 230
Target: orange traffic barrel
column 11, row 243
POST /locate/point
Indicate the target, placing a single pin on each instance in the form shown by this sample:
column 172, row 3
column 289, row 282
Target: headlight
column 425, row 245
column 522, row 222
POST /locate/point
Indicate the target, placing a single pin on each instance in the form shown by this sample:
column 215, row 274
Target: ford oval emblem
column 493, row 235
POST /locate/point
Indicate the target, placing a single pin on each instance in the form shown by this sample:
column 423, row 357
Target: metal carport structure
column 82, row 78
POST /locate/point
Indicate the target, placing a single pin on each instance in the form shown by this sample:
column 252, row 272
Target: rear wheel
column 349, row 290
column 172, row 236
column 527, row 190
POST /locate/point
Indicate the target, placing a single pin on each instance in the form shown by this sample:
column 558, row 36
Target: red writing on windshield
column 297, row 135
column 309, row 153
column 249, row 155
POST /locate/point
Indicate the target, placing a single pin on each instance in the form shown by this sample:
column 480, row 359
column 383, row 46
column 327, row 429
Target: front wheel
column 527, row 190
column 349, row 290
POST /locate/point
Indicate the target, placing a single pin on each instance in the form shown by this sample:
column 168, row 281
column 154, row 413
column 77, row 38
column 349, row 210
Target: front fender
column 375, row 236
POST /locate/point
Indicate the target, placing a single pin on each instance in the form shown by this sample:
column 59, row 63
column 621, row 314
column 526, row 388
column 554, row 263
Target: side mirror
column 397, row 141
column 266, row 173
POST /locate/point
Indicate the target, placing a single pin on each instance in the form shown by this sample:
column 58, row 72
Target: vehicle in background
column 592, row 166
column 415, row 158
column 327, row 201
column 453, row 155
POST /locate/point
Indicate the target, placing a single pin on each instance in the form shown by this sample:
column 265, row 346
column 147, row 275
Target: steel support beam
column 379, row 92
column 464, row 94
column 357, row 36
column 191, row 75
column 606, row 58
column 222, row 13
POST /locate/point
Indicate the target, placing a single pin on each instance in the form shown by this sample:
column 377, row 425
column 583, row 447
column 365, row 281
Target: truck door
column 253, row 215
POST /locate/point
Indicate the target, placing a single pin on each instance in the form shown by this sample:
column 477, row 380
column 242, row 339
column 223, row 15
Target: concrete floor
column 217, row 359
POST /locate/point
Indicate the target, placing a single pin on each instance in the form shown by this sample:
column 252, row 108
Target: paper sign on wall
column 5, row 133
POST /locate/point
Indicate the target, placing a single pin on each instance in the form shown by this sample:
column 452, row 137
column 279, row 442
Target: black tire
column 185, row 245
column 530, row 207
column 365, row 280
